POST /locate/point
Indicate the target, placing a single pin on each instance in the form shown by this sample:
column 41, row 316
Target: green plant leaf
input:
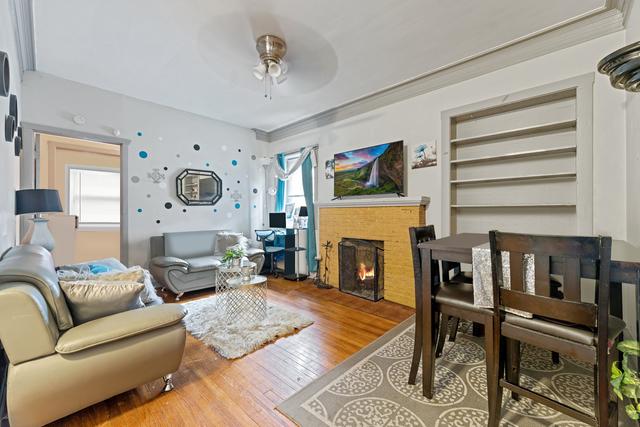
column 616, row 377
column 631, row 347
column 630, row 390
column 631, row 412
column 617, row 392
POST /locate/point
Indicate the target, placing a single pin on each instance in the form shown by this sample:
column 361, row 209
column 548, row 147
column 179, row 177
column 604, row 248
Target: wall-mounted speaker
column 9, row 128
column 13, row 107
column 5, row 76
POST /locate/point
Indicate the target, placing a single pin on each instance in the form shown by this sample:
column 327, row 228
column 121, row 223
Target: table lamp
column 37, row 202
column 302, row 217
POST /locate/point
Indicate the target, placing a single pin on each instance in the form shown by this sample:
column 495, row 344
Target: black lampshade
column 37, row 201
column 303, row 211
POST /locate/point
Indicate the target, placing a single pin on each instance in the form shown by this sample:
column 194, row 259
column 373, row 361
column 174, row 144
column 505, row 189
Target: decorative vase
column 235, row 262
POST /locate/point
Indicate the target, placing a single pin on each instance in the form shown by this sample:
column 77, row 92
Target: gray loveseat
column 189, row 260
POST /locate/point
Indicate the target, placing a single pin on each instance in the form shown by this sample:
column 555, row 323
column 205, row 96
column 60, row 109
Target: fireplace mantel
column 376, row 202
column 382, row 219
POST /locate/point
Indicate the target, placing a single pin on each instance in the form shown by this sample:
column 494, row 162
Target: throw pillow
column 227, row 239
column 93, row 299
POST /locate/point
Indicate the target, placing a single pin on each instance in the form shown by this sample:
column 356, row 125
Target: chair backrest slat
column 572, row 275
column 516, row 267
column 573, row 253
column 419, row 235
column 541, row 271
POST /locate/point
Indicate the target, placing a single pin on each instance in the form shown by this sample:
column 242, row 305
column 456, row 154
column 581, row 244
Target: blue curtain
column 280, row 193
column 307, row 184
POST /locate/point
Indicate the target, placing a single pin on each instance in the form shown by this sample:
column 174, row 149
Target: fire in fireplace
column 361, row 264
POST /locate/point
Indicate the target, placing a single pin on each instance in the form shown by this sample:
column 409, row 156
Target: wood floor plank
column 211, row 390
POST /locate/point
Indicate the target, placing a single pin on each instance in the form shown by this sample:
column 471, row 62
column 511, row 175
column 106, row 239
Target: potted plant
column 233, row 256
column 625, row 381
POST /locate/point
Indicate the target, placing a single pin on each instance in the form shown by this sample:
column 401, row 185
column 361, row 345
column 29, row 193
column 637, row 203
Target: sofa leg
column 179, row 296
column 168, row 382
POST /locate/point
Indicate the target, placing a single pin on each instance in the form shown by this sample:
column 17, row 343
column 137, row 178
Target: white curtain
column 284, row 175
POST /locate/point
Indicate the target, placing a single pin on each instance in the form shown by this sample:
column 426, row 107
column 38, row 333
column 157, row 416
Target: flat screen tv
column 373, row 170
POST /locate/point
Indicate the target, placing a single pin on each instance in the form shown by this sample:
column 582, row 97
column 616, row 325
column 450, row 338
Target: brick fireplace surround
column 376, row 219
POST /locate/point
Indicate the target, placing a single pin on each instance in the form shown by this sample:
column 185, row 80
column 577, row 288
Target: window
column 94, row 196
column 294, row 191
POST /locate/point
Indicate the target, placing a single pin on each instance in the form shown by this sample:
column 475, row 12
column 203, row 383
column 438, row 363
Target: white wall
column 418, row 120
column 9, row 164
column 168, row 137
column 633, row 139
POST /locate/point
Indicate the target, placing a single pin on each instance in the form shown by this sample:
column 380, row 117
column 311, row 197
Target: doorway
column 87, row 176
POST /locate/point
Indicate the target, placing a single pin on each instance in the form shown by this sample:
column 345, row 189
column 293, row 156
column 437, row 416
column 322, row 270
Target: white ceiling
column 197, row 55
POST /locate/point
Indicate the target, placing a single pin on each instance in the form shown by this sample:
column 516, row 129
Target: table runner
column 483, row 281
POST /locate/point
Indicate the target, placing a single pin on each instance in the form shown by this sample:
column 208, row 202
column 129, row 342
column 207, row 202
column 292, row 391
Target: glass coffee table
column 245, row 301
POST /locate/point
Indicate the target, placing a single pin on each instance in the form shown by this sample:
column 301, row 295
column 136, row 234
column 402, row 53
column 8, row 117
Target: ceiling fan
column 272, row 68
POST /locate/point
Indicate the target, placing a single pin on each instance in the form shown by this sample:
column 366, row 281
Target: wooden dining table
column 625, row 268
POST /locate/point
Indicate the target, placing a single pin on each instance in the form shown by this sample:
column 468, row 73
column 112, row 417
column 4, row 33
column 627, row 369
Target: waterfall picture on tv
column 372, row 170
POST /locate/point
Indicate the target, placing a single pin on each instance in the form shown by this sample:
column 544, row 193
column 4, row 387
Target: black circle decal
column 168, row 205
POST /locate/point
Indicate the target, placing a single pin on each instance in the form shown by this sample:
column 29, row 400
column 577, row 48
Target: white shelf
column 565, row 175
column 518, row 155
column 525, row 131
column 516, row 205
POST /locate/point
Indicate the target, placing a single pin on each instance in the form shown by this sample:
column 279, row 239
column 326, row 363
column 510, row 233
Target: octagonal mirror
column 198, row 187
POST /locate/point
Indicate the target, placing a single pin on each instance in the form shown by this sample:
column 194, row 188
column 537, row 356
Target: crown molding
column 606, row 20
column 23, row 27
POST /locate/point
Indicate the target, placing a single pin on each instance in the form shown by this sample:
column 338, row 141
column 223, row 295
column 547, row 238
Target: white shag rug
column 206, row 322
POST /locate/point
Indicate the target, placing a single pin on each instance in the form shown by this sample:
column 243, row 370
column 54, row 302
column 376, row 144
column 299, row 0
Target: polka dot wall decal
column 148, row 196
column 255, row 191
column 135, row 179
column 239, row 150
column 165, row 168
column 157, row 221
column 234, row 162
column 184, row 210
column 237, row 205
column 254, row 206
column 139, row 133
column 206, row 164
column 196, row 147
column 215, row 210
column 168, row 205
column 139, row 210
column 178, row 155
column 143, row 154
column 253, row 157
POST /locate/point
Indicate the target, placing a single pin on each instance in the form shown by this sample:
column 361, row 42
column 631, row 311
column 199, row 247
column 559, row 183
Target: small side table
column 245, row 302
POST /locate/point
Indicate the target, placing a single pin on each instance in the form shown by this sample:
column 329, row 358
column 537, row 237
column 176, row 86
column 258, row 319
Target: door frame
column 29, row 167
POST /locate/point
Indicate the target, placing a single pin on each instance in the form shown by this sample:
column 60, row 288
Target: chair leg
column 428, row 353
column 179, row 296
column 602, row 386
column 513, row 364
column 555, row 357
column 417, row 344
column 454, row 329
column 495, row 351
column 442, row 333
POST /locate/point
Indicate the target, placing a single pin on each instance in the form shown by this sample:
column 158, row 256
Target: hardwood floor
column 212, row 391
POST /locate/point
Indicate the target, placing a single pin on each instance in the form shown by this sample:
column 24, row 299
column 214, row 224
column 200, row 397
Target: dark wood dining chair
column 569, row 326
column 437, row 300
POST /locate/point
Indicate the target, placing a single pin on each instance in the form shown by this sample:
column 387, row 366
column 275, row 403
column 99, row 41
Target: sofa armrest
column 28, row 329
column 169, row 261
column 119, row 326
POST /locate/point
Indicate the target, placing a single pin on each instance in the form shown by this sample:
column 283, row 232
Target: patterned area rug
column 206, row 322
column 370, row 388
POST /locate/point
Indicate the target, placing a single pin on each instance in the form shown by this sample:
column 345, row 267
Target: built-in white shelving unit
column 513, row 165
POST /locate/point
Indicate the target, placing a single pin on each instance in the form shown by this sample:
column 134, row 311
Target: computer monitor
column 277, row 220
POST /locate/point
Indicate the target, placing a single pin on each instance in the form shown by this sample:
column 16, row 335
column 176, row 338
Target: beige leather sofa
column 57, row 368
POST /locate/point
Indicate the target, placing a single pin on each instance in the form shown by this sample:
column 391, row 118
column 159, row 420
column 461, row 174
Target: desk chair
column 269, row 236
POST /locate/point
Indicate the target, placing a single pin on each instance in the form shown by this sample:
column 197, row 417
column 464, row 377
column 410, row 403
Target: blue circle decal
column 234, row 162
column 143, row 154
column 139, row 133
column 237, row 205
column 139, row 210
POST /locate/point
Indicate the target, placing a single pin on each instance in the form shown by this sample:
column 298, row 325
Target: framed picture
column 424, row 155
column 288, row 209
column 329, row 168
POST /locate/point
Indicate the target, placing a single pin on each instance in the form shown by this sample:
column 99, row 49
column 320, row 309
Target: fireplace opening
column 361, row 266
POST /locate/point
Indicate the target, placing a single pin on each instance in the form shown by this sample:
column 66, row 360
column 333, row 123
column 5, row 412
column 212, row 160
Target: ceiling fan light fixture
column 259, row 71
column 274, row 69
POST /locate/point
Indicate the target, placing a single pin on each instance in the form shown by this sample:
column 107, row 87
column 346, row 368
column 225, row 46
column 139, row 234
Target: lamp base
column 39, row 234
